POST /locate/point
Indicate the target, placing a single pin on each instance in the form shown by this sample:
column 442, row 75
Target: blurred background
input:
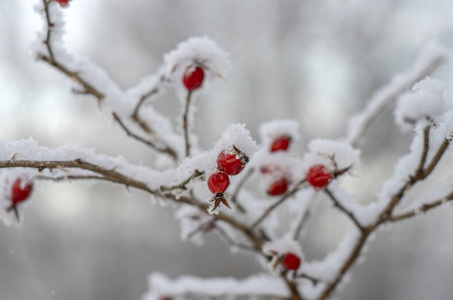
column 316, row 62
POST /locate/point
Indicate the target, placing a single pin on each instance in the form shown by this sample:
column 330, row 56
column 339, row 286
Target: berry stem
column 185, row 123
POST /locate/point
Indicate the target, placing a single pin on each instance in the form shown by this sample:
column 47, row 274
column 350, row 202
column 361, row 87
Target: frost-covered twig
column 429, row 59
column 78, row 164
column 386, row 215
column 300, row 225
column 257, row 285
column 422, row 209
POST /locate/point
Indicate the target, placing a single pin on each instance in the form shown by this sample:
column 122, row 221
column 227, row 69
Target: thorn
column 13, row 158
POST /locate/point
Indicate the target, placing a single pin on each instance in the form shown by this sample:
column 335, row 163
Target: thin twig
column 185, row 122
column 182, row 185
column 239, row 186
column 166, row 150
column 135, row 116
column 230, row 242
column 425, row 150
column 422, row 209
column 343, row 209
column 300, row 225
column 276, row 204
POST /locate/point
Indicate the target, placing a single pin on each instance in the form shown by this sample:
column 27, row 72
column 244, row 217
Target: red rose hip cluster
column 229, row 163
column 280, row 185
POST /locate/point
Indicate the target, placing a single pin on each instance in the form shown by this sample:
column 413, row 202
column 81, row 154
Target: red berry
column 19, row 194
column 319, row 176
column 218, row 182
column 291, row 261
column 63, row 3
column 193, row 78
column 278, row 187
column 230, row 163
column 281, row 144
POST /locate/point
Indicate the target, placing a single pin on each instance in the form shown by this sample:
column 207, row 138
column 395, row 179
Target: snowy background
column 310, row 61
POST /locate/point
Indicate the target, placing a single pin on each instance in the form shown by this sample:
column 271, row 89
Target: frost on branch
column 426, row 101
column 332, row 154
column 257, row 285
column 200, row 51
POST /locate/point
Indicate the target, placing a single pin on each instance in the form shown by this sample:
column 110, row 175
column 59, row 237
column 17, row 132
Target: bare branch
column 343, row 209
column 166, row 150
column 182, row 185
column 185, row 122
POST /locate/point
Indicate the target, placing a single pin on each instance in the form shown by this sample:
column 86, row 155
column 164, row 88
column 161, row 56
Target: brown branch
column 89, row 89
column 425, row 150
column 135, row 116
column 75, row 177
column 182, row 185
column 343, row 209
column 166, row 150
column 386, row 215
column 276, row 204
column 142, row 100
column 422, row 209
column 185, row 122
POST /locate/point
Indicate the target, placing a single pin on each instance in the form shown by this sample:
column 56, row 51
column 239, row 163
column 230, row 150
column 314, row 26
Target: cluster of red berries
column 193, row 78
column 63, row 3
column 280, row 185
column 18, row 195
column 229, row 163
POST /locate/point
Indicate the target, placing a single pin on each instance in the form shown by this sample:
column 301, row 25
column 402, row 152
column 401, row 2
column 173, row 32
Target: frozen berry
column 291, row 261
column 319, row 176
column 278, row 187
column 19, row 194
column 281, row 144
column 232, row 163
column 218, row 182
column 193, row 78
column 63, row 3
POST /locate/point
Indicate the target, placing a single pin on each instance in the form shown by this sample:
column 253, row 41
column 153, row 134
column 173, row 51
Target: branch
column 182, row 185
column 185, row 123
column 238, row 189
column 422, row 209
column 276, row 204
column 89, row 89
column 386, row 215
column 343, row 209
column 135, row 117
column 166, row 150
column 303, row 220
